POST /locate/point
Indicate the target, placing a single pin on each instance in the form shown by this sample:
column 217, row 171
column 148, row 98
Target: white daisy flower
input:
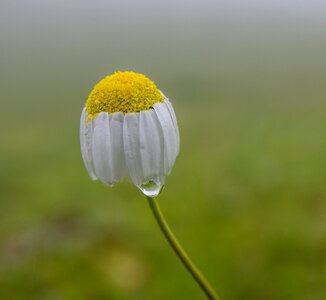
column 128, row 129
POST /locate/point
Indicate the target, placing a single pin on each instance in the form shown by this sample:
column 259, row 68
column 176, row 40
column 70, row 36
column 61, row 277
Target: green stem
column 194, row 271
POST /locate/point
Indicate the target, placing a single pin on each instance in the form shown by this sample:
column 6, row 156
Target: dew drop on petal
column 150, row 189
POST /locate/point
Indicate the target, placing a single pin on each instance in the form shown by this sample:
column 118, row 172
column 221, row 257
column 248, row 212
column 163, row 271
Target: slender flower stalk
column 180, row 252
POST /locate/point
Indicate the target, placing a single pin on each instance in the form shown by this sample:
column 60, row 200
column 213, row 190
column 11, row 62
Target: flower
column 128, row 129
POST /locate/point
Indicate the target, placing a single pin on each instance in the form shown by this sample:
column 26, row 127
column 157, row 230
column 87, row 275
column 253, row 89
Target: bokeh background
column 247, row 195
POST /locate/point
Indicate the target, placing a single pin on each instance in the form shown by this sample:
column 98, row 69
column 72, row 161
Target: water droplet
column 150, row 189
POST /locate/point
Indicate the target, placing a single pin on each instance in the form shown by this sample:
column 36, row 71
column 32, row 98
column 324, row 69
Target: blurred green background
column 247, row 195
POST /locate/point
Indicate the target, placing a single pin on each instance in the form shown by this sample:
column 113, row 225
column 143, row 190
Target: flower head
column 128, row 129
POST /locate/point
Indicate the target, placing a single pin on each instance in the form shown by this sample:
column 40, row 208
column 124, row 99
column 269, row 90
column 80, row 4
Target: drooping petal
column 117, row 148
column 169, row 134
column 85, row 143
column 151, row 147
column 101, row 149
column 132, row 147
column 174, row 120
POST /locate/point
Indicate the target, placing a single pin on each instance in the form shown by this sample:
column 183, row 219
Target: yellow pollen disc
column 122, row 92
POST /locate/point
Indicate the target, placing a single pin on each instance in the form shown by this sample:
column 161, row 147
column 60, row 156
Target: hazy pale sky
column 123, row 13
column 147, row 35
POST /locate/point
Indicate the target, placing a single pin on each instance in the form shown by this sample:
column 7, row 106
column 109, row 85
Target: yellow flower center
column 122, row 92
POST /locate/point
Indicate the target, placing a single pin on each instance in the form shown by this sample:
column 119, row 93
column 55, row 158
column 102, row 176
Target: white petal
column 175, row 123
column 85, row 143
column 132, row 147
column 151, row 147
column 117, row 149
column 101, row 151
column 169, row 134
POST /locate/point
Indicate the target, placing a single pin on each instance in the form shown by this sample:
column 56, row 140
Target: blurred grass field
column 246, row 197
